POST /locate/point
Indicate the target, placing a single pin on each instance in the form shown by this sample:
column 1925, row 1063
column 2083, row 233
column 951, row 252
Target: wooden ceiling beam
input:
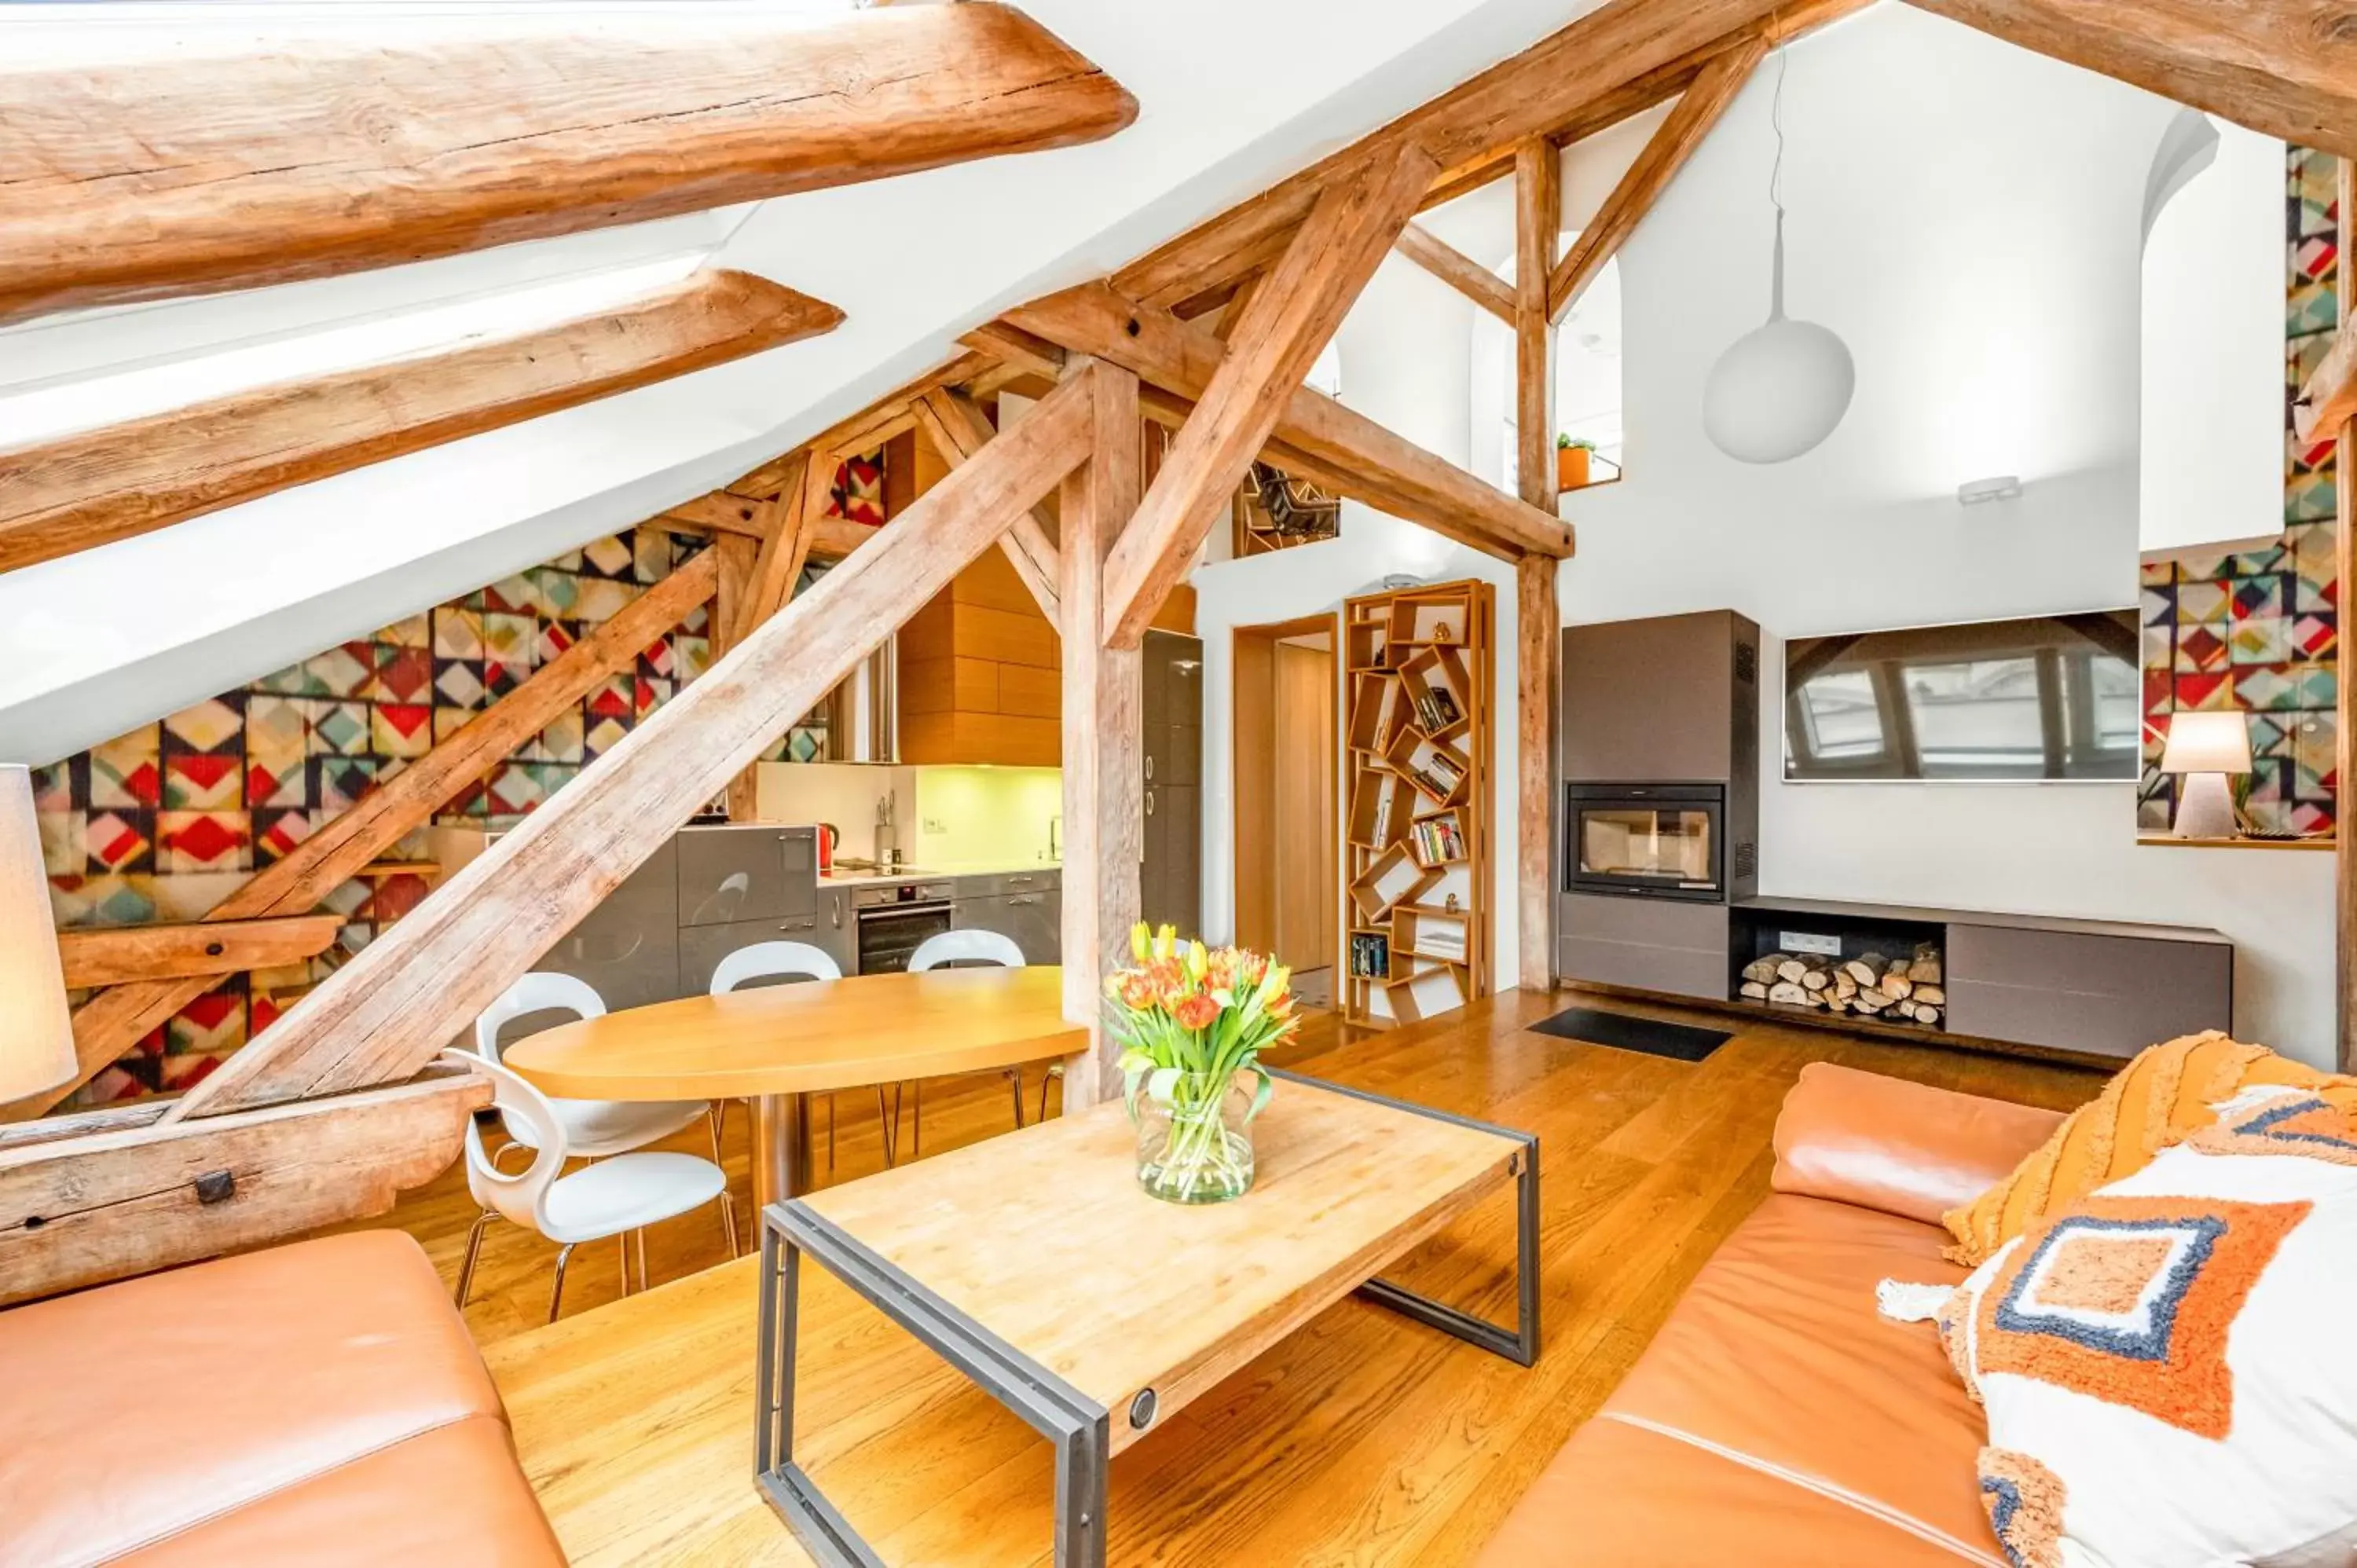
column 791, row 524
column 1316, row 436
column 1612, row 63
column 1288, row 322
column 1657, row 164
column 958, row 432
column 2288, row 67
column 113, row 955
column 719, row 514
column 387, row 1012
column 119, row 480
column 1459, row 271
column 115, row 1019
column 124, row 1200
column 1538, row 225
column 211, row 171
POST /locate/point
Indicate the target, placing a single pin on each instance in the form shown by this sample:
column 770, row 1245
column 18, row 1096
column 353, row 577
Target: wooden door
column 1303, row 836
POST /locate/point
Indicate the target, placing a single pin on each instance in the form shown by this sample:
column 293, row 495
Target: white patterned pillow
column 2166, row 1363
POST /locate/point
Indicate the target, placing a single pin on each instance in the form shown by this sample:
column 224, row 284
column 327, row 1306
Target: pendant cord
column 1776, row 186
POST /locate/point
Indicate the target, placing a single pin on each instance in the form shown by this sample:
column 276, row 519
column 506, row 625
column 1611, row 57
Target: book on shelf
column 1439, row 838
column 1371, row 955
column 1437, row 707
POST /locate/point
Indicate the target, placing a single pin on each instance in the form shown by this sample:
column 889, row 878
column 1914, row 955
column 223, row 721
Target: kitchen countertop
column 935, row 873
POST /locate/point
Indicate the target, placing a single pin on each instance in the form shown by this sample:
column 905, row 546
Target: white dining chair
column 594, row 1129
column 974, row 946
column 619, row 1195
column 797, row 961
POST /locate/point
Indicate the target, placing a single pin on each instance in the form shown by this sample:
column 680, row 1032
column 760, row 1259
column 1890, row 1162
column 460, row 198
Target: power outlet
column 933, row 825
column 1809, row 942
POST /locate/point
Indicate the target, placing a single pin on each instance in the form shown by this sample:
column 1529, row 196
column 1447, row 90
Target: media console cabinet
column 2094, row 988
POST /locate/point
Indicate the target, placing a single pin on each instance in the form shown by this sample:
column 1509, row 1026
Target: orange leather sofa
column 314, row 1404
column 1776, row 1421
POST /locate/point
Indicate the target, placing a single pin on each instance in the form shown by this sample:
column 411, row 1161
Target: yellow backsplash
column 984, row 815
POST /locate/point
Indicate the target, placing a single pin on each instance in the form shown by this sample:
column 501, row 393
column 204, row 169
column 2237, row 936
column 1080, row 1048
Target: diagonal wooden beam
column 1555, row 89
column 1286, row 325
column 1663, row 155
column 112, row 1021
column 100, row 486
column 1318, row 437
column 2287, row 68
column 1459, row 271
column 958, row 431
column 214, row 169
column 792, row 523
column 386, row 1014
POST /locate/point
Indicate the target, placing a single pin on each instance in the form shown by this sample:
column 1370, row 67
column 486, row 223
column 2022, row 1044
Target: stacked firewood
column 1871, row 985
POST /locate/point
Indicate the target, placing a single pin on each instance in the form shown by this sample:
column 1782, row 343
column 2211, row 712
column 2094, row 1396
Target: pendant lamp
column 1779, row 391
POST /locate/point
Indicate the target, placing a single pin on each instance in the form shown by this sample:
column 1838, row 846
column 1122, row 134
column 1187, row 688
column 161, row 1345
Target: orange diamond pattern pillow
column 2168, row 1092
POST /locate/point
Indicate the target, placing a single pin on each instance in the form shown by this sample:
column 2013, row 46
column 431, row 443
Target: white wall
column 2211, row 460
column 1968, row 217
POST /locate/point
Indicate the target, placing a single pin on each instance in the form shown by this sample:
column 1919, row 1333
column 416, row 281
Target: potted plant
column 1192, row 1022
column 1571, row 457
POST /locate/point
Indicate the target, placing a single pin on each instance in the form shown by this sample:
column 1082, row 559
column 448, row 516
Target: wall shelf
column 1418, row 784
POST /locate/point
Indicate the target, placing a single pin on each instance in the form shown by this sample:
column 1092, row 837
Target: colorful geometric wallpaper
column 2257, row 630
column 161, row 824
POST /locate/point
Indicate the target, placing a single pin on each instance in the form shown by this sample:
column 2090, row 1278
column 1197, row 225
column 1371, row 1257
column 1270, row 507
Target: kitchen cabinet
column 753, row 872
column 837, row 933
column 702, row 948
column 1033, row 920
column 979, row 676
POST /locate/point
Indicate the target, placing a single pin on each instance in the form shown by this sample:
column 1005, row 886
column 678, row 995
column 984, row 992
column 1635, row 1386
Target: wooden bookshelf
column 1418, row 678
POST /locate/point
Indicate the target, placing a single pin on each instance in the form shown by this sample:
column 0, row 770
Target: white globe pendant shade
column 1780, row 391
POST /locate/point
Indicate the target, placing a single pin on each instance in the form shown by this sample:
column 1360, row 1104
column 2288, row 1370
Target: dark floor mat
column 1676, row 1041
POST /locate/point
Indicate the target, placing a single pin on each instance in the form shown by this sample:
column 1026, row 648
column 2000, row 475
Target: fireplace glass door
column 1653, row 841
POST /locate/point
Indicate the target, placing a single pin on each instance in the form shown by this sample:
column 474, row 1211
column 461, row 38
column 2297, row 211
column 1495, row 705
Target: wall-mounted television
column 2040, row 698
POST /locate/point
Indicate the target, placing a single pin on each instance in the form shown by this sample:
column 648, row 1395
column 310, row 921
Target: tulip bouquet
column 1189, row 1020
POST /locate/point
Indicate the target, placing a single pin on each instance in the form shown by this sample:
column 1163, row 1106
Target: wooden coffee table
column 1034, row 1264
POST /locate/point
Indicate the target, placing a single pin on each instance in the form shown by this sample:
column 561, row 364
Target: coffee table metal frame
column 1077, row 1425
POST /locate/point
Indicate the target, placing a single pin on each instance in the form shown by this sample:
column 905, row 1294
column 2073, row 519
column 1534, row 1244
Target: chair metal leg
column 727, row 1203
column 830, row 1134
column 642, row 1234
column 916, row 1119
column 474, row 1251
column 1014, row 1085
column 622, row 1255
column 1055, row 1071
column 884, row 1122
column 557, row 1297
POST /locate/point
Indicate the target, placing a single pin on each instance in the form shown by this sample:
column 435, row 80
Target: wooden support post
column 1666, row 153
column 119, row 480
column 1538, row 634
column 1105, row 788
column 108, row 1204
column 2344, row 553
column 386, row 1014
column 1281, row 334
column 958, row 432
column 739, row 559
column 112, row 1021
column 204, row 169
column 1538, row 218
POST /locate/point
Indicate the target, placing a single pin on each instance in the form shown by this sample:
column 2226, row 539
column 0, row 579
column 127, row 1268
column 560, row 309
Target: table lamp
column 2204, row 749
column 36, row 1047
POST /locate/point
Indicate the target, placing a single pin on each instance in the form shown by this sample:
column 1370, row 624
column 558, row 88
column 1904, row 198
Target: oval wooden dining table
column 777, row 1044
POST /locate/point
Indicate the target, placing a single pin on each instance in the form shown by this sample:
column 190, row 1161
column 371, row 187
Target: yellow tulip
column 1137, row 940
column 1199, row 961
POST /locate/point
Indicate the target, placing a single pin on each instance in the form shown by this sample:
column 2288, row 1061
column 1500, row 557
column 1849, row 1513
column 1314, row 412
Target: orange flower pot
column 1571, row 467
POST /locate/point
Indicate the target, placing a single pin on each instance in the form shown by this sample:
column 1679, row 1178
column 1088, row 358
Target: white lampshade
column 36, row 1048
column 1780, row 391
column 2207, row 743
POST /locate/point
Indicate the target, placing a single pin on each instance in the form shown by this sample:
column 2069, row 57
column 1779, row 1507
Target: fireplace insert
column 1650, row 841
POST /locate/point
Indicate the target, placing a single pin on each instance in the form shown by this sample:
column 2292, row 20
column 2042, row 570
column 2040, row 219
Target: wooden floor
column 1363, row 1439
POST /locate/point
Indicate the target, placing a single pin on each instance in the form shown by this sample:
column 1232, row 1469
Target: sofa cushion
column 1620, row 1496
column 143, row 1409
column 1906, row 1148
column 452, row 1497
column 2164, row 1094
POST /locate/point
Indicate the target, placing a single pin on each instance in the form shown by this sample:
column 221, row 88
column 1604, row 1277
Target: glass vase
column 1195, row 1146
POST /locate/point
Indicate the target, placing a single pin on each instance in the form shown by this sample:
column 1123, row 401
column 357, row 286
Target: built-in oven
column 894, row 919
column 1651, row 841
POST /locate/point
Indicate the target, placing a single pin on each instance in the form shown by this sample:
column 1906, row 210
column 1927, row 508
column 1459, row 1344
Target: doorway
column 1288, row 773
